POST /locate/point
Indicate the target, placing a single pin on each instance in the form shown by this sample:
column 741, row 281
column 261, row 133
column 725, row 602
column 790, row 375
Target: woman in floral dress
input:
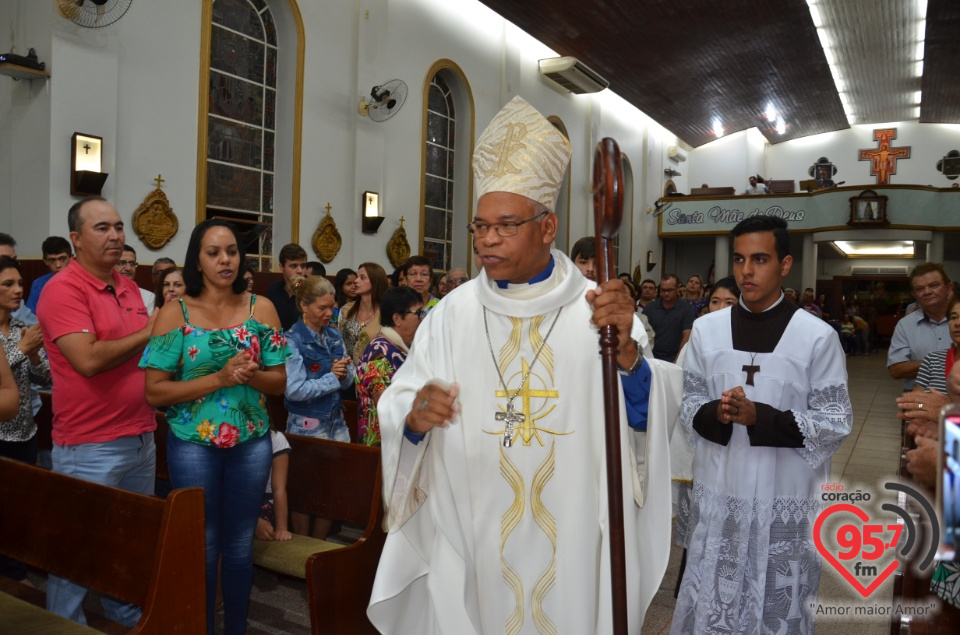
column 401, row 310
column 213, row 356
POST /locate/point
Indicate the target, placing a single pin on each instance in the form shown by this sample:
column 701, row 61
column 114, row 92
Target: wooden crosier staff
column 608, row 213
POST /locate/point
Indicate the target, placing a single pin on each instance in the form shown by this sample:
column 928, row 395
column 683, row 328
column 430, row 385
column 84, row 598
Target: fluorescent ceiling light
column 717, row 128
column 828, row 53
column 781, row 127
column 876, row 248
column 815, row 14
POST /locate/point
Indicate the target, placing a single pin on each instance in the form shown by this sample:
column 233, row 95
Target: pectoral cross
column 750, row 370
column 510, row 418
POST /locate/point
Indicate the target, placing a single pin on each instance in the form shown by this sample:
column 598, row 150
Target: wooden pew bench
column 135, row 548
column 339, row 481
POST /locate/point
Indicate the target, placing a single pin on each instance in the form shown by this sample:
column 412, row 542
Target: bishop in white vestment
column 497, row 516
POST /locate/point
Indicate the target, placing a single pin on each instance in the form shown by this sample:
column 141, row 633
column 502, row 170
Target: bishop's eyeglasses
column 479, row 229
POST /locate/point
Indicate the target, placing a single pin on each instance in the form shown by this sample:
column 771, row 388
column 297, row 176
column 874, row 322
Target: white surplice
column 752, row 566
column 488, row 539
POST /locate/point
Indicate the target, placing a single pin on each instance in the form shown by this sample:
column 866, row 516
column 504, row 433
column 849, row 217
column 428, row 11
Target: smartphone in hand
column 948, row 481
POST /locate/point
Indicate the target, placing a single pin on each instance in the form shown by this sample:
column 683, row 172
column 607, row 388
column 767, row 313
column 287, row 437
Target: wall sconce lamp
column 370, row 210
column 650, row 263
column 86, row 154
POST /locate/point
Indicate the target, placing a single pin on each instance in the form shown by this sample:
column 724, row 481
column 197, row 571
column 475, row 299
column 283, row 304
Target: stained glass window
column 242, row 119
column 439, row 178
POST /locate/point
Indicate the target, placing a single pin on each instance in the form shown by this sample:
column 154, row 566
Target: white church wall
column 721, row 162
column 724, row 162
column 928, row 142
column 330, row 122
column 25, row 129
column 148, row 105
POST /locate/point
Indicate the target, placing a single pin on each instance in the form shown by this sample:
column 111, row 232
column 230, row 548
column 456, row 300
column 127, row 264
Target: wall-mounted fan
column 93, row 14
column 385, row 101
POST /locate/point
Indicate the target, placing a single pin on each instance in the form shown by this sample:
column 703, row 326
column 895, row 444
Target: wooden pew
column 339, row 481
column 136, row 548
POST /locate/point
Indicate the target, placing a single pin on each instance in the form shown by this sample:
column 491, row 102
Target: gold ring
column 919, row 406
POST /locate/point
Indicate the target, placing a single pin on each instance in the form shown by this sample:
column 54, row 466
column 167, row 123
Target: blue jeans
column 129, row 463
column 318, row 428
column 233, row 481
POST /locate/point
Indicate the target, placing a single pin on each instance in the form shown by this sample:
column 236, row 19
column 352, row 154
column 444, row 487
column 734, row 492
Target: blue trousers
column 129, row 463
column 233, row 481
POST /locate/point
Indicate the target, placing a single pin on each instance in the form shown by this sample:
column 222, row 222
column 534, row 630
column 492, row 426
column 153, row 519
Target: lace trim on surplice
column 752, row 566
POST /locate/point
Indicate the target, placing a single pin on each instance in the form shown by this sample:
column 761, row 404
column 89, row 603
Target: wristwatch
column 627, row 372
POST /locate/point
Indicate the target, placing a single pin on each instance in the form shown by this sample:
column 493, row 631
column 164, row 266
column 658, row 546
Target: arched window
column 439, row 175
column 241, row 122
column 447, row 191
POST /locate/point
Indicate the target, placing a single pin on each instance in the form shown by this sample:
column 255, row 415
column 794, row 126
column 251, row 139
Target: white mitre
column 522, row 153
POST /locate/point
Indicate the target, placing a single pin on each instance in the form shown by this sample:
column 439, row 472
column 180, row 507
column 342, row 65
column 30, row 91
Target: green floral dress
column 230, row 415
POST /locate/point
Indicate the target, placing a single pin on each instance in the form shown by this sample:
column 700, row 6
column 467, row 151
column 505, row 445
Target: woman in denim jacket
column 319, row 366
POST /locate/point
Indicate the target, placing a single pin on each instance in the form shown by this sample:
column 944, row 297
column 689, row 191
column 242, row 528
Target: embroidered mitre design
column 520, row 152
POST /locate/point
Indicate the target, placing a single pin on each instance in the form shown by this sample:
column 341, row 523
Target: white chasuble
column 752, row 566
column 485, row 538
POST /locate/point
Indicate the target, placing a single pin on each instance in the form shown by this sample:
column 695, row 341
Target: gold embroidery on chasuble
column 537, row 397
column 547, row 523
column 534, row 392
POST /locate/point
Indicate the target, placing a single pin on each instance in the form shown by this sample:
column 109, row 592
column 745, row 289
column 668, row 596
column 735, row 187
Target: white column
column 809, row 273
column 721, row 256
column 935, row 247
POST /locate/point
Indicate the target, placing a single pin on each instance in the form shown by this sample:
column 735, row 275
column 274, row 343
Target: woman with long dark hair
column 360, row 319
column 170, row 287
column 212, row 357
column 345, row 287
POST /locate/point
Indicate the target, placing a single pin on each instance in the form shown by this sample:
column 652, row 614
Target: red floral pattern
column 227, row 436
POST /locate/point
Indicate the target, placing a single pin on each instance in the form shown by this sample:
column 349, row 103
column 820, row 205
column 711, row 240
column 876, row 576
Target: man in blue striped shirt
column 925, row 330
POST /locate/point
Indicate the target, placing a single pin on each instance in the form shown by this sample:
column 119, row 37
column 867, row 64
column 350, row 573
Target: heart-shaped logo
column 875, row 542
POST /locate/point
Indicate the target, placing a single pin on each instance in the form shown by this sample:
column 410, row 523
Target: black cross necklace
column 752, row 368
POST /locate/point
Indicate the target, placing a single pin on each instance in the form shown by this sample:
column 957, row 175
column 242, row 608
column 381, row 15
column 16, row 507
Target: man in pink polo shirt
column 94, row 328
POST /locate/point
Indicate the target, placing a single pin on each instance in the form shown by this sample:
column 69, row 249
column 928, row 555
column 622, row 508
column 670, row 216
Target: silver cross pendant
column 510, row 418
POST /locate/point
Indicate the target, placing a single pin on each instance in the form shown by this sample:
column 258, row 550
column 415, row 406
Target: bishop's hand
column 736, row 408
column 435, row 405
column 614, row 306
